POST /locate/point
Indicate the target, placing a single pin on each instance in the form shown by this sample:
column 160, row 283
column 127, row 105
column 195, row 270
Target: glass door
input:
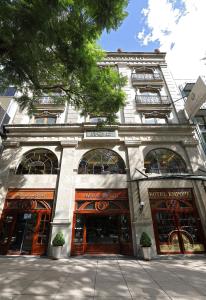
column 22, row 233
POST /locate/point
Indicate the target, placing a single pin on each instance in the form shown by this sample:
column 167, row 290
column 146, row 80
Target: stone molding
column 66, row 144
column 11, row 144
column 132, row 143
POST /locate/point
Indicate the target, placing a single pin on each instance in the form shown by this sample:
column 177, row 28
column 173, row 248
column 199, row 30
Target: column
column 65, row 196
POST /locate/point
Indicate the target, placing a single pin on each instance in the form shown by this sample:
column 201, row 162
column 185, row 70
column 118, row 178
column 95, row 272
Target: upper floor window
column 38, row 161
column 164, row 161
column 155, row 120
column 97, row 119
column 45, row 120
column 101, row 161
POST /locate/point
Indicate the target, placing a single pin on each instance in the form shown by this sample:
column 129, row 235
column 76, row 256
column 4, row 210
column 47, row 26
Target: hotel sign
column 102, row 195
column 197, row 97
column 31, row 194
column 170, row 194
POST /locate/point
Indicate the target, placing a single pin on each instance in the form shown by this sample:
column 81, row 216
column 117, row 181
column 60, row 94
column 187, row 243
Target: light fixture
column 141, row 206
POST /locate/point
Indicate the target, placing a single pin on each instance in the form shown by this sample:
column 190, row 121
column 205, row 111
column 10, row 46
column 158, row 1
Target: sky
column 177, row 27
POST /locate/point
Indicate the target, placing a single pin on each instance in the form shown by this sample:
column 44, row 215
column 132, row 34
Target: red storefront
column 176, row 221
column 25, row 221
column 101, row 222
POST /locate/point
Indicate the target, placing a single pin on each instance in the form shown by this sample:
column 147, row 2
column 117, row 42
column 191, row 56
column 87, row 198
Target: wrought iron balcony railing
column 154, row 100
column 48, row 100
column 146, row 77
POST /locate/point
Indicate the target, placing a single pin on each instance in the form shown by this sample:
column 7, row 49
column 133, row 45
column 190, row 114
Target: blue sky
column 176, row 27
column 126, row 35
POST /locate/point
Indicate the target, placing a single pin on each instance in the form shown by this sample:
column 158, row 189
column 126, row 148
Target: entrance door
column 24, row 233
column 99, row 234
column 102, row 234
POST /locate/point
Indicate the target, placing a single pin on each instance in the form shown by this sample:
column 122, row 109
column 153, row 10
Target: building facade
column 103, row 187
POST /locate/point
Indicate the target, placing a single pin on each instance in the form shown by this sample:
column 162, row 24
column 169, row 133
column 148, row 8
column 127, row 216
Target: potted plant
column 57, row 244
column 145, row 242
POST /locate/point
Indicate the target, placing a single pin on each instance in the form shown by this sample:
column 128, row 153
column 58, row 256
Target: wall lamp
column 141, row 206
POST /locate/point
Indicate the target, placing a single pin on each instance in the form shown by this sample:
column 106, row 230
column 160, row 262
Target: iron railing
column 150, row 99
column 49, row 100
column 146, row 76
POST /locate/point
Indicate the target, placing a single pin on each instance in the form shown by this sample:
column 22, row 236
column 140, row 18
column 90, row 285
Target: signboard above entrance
column 101, row 195
column 170, row 194
column 30, row 194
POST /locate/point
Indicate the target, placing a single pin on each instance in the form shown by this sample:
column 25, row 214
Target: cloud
column 179, row 27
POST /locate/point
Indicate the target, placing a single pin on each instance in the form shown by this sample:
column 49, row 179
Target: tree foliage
column 49, row 47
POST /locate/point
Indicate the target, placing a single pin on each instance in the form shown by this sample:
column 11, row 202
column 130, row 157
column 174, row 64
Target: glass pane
column 164, row 161
column 101, row 161
column 167, row 232
column 79, row 229
column 5, row 229
column 190, row 233
column 51, row 120
column 44, row 227
column 39, row 120
column 102, row 230
column 124, row 229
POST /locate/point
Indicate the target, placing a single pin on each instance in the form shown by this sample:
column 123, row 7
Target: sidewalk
column 28, row 278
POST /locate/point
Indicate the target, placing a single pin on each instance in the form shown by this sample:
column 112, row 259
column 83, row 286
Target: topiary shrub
column 145, row 240
column 58, row 240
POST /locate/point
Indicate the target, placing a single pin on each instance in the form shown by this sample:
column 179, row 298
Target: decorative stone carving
column 101, row 205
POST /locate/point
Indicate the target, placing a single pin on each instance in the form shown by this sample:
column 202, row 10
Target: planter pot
column 147, row 253
column 56, row 252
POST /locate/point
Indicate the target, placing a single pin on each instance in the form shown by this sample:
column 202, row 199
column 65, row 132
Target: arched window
column 101, row 161
column 164, row 161
column 38, row 161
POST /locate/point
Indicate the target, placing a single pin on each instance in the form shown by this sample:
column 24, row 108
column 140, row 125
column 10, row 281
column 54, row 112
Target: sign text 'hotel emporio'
column 170, row 193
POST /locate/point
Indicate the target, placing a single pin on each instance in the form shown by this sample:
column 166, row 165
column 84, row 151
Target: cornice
column 75, row 130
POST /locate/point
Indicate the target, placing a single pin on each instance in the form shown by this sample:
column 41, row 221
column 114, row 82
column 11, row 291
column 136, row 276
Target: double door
column 24, row 232
column 102, row 234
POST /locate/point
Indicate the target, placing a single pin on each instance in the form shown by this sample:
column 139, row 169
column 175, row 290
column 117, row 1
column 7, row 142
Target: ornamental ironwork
column 38, row 161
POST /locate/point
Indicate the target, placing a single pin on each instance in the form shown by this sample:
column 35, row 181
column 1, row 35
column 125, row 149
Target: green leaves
column 49, row 45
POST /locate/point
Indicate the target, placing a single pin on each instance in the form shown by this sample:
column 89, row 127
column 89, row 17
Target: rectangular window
column 155, row 121
column 45, row 120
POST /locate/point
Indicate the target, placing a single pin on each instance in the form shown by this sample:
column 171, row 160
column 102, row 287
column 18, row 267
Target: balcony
column 150, row 102
column 50, row 104
column 147, row 78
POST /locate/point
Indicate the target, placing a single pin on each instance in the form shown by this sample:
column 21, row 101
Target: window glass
column 101, row 161
column 155, row 121
column 45, row 120
column 38, row 161
column 164, row 161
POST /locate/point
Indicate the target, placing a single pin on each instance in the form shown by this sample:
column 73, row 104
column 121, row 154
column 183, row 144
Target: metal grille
column 152, row 99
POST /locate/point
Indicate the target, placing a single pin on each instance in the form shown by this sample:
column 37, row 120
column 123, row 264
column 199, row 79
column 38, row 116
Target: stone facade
column 146, row 123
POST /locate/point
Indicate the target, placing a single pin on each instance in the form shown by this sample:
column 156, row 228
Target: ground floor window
column 101, row 223
column 176, row 221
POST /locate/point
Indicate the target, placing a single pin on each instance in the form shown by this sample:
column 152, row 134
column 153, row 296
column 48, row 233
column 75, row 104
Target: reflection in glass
column 101, row 161
column 38, row 161
column 164, row 161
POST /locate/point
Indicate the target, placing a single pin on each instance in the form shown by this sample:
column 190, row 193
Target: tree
column 49, row 47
